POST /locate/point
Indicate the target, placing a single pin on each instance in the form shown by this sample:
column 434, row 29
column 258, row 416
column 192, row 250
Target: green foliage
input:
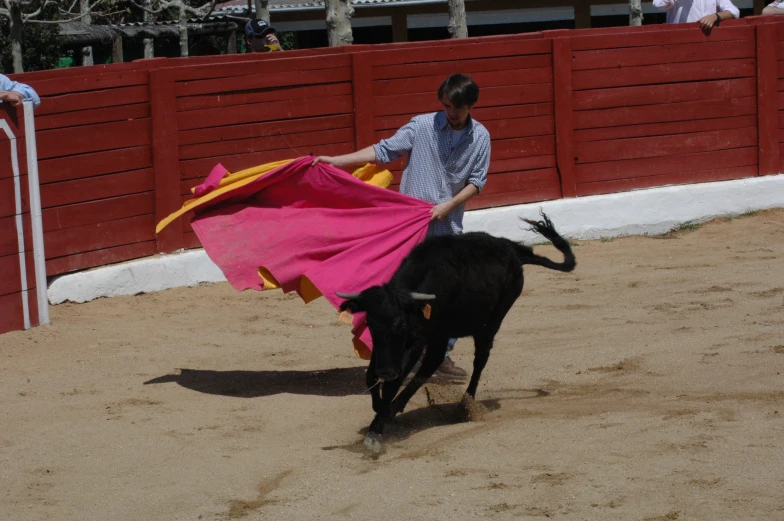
column 41, row 47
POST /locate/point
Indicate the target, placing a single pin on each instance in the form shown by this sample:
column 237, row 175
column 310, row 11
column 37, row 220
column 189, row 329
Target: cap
column 258, row 28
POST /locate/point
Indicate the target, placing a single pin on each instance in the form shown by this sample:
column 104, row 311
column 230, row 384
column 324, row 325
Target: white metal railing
column 39, row 257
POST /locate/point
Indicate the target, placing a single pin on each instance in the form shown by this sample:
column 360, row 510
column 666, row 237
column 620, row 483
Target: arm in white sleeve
column 664, row 4
column 727, row 5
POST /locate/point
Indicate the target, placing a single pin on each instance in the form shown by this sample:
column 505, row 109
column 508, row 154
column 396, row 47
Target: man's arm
column 14, row 93
column 664, row 4
column 771, row 10
column 476, row 181
column 11, row 97
column 384, row 152
column 366, row 155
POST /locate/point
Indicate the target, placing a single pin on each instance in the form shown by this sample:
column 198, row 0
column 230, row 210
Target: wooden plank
column 492, row 96
column 460, row 51
column 96, row 187
column 521, row 181
column 72, row 102
column 191, row 240
column 273, row 128
column 265, row 66
column 12, row 317
column 259, row 112
column 11, row 281
column 263, row 81
column 657, row 146
column 665, row 73
column 302, row 140
column 93, row 138
column 665, row 165
column 636, row 183
column 101, row 257
column 431, row 83
column 499, row 166
column 198, row 169
column 664, row 112
column 265, row 96
column 107, row 234
column 165, row 153
column 767, row 99
column 482, row 114
column 659, row 54
column 672, row 129
column 509, row 198
column 674, row 93
column 660, row 36
column 96, row 212
column 445, row 68
column 564, row 113
column 92, row 116
column 361, row 66
column 9, row 244
column 97, row 163
column 522, row 147
column 89, row 82
column 8, row 196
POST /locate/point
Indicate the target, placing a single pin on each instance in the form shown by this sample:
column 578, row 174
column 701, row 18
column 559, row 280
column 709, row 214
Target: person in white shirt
column 776, row 7
column 709, row 13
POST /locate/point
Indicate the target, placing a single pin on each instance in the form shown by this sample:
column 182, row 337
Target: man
column 709, row 13
column 260, row 37
column 14, row 93
column 448, row 157
column 775, row 7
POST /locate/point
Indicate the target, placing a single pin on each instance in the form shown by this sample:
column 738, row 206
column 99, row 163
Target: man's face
column 457, row 116
column 259, row 43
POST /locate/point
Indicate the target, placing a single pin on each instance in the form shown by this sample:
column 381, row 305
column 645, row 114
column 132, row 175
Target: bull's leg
column 434, row 356
column 376, row 430
column 371, row 380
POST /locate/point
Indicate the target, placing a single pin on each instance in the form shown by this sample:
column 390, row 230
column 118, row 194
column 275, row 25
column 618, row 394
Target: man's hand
column 440, row 211
column 707, row 23
column 11, row 97
column 324, row 159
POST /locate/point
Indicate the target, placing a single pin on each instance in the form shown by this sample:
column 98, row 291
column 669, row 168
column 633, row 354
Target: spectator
column 709, row 13
column 261, row 37
column 776, row 7
column 14, row 93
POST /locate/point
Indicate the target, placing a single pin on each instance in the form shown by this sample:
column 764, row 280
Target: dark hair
column 460, row 90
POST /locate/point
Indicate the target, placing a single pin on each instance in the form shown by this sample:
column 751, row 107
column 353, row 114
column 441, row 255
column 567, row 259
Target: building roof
column 241, row 6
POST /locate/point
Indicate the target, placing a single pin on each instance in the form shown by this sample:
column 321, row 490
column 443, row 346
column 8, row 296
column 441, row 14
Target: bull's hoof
column 464, row 412
column 373, row 442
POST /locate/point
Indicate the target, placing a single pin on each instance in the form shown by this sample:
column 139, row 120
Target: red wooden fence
column 570, row 113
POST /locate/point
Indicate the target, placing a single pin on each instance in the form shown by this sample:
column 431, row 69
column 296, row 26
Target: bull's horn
column 347, row 296
column 422, row 296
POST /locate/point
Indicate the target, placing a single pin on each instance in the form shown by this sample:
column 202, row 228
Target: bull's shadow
column 341, row 381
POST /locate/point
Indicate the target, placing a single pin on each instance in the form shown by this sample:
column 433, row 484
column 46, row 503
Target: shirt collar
column 443, row 123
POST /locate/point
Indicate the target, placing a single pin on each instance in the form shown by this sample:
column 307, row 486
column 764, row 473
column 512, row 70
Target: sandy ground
column 648, row 385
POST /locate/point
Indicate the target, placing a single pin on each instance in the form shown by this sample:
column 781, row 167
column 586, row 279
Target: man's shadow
column 341, row 381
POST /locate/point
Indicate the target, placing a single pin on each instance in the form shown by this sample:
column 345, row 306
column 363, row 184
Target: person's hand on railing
column 11, row 97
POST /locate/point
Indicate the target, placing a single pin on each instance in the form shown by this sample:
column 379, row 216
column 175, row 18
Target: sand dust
column 648, row 385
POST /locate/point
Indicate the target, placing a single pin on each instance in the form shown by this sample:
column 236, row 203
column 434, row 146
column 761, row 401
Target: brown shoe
column 449, row 370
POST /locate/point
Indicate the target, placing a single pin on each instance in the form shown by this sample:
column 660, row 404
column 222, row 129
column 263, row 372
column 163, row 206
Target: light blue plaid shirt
column 435, row 172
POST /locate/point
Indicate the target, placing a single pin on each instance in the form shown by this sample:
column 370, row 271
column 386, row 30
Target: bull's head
column 395, row 318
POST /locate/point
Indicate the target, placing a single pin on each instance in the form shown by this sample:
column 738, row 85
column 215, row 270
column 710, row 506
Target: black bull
column 447, row 287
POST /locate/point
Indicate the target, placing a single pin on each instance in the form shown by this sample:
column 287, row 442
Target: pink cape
column 313, row 222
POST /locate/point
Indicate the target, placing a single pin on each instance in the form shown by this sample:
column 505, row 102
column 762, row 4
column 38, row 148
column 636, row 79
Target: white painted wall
column 652, row 211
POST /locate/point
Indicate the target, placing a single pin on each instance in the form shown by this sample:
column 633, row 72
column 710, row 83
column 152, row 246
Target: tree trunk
column 87, row 52
column 149, row 43
column 16, row 36
column 457, row 19
column 635, row 12
column 183, row 31
column 231, row 47
column 262, row 10
column 339, row 13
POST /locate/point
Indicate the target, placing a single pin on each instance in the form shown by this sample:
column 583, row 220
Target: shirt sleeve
column 664, row 4
column 727, row 5
column 478, row 176
column 27, row 91
column 387, row 150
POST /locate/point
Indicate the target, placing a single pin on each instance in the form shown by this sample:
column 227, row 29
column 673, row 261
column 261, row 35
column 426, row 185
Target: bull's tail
column 545, row 228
